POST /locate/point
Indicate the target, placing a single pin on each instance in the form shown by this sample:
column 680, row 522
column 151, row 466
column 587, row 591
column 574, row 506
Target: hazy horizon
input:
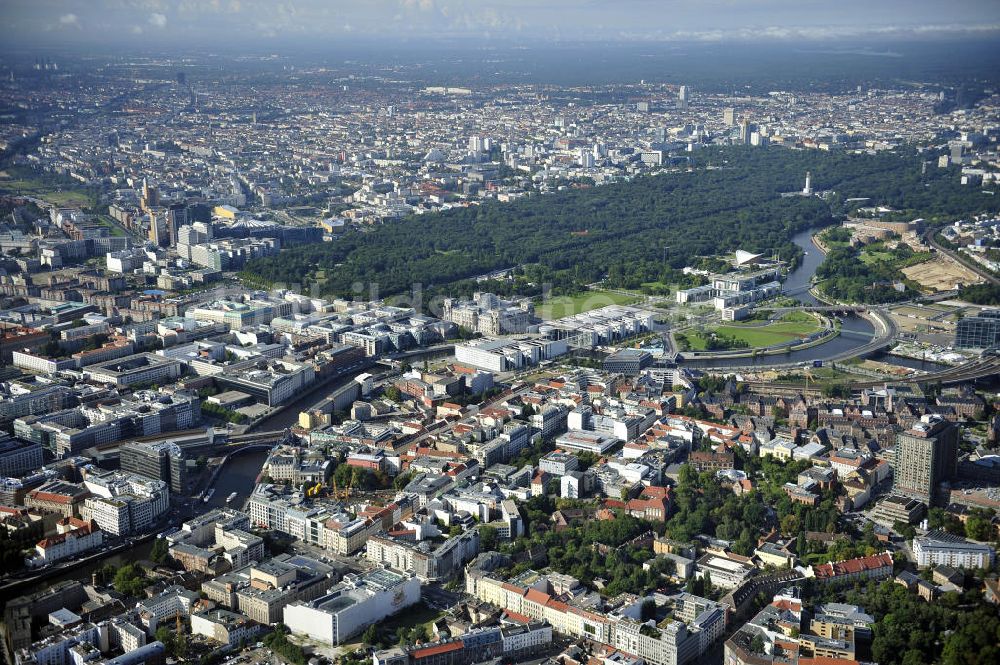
column 256, row 25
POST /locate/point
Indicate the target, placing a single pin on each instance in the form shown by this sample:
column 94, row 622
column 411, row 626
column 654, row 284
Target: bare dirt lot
column 940, row 274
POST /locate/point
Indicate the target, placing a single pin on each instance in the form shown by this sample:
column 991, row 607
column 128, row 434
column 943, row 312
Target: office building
column 141, row 368
column 353, row 605
column 628, row 361
column 18, row 458
column 271, row 585
column 745, row 131
column 123, row 503
column 979, row 332
column 926, row 456
column 488, row 314
column 501, row 355
column 426, row 561
column 159, row 461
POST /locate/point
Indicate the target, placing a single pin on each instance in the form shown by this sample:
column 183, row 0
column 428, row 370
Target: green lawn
column 657, row 288
column 695, row 341
column 416, row 615
column 556, row 308
column 113, row 228
column 49, row 188
column 876, row 257
column 795, row 325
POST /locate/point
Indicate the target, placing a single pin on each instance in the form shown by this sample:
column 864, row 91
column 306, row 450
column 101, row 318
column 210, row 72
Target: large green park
column 623, row 235
column 752, row 334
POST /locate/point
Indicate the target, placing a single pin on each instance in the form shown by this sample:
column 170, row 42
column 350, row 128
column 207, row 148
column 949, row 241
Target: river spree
column 854, row 330
column 799, row 280
column 238, row 475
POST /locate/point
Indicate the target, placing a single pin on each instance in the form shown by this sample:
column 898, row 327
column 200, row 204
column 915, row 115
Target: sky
column 162, row 23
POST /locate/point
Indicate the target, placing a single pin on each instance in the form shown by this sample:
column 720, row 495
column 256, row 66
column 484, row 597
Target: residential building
column 938, row 548
column 73, row 537
column 224, row 627
column 926, row 456
column 875, row 567
column 422, row 559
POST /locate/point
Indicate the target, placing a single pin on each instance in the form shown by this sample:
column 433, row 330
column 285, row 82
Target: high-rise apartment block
column 926, row 455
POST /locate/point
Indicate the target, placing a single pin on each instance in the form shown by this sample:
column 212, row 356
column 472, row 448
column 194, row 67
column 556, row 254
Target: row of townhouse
column 671, row 643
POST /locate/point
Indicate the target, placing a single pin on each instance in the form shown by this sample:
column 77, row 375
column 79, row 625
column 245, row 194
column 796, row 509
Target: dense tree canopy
column 956, row 629
column 729, row 199
column 981, row 294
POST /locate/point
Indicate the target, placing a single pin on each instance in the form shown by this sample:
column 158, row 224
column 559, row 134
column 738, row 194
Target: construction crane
column 345, row 493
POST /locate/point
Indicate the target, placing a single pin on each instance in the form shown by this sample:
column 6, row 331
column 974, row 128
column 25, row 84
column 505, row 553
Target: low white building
column 724, row 572
column 586, row 441
column 352, row 605
column 504, row 355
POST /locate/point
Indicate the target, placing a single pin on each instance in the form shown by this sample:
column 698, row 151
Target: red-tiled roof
column 50, row 497
column 516, row 616
column 437, row 649
column 853, row 566
column 536, row 596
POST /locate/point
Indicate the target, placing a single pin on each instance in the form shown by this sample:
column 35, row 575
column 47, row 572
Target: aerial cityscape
column 513, row 332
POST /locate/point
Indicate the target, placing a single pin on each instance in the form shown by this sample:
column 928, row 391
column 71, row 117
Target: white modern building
column 352, row 605
column 123, row 503
column 586, row 441
column 504, row 355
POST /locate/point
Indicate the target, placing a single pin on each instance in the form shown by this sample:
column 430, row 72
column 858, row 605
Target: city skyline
column 444, row 332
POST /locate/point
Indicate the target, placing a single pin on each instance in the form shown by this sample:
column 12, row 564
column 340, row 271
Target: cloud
column 157, row 20
column 69, row 19
column 422, row 5
column 813, row 33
